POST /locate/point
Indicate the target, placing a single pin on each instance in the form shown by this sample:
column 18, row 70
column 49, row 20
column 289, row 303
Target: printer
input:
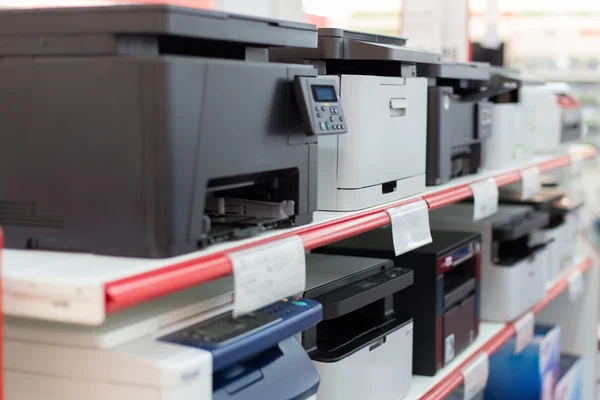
column 363, row 347
column 152, row 130
column 557, row 115
column 513, row 274
column 444, row 299
column 181, row 347
column 561, row 231
column 459, row 117
column 511, row 141
column 382, row 156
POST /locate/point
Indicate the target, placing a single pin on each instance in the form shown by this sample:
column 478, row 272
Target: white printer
column 513, row 276
column 557, row 115
column 181, row 347
column 511, row 141
column 382, row 156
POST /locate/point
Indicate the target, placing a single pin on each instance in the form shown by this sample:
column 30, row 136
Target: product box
column 568, row 386
column 531, row 374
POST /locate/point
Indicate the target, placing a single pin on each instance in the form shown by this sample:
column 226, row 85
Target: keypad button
column 322, row 108
column 300, row 303
column 332, row 119
column 328, row 125
column 322, row 126
column 319, row 114
column 341, row 119
column 334, row 110
column 343, row 126
column 317, row 108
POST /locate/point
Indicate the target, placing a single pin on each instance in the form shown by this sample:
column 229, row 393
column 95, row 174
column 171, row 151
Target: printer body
column 362, row 348
column 511, row 141
column 444, row 299
column 182, row 347
column 459, row 118
column 152, row 130
column 513, row 276
column 382, row 156
column 557, row 116
column 560, row 233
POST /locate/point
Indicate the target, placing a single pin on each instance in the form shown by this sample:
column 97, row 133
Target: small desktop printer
column 444, row 299
column 181, row 347
column 561, row 231
column 382, row 157
column 152, row 130
column 363, row 347
column 513, row 276
column 459, row 117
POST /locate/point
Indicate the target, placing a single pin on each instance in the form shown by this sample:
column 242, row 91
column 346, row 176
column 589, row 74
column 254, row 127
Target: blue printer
column 256, row 356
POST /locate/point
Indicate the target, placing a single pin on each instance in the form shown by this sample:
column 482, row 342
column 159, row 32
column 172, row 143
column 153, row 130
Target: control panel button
column 335, row 110
column 332, row 119
column 319, row 114
column 317, row 108
column 328, row 125
column 341, row 119
column 322, row 126
column 299, row 303
column 343, row 126
column 322, row 108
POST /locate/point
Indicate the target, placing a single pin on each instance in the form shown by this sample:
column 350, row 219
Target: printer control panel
column 319, row 105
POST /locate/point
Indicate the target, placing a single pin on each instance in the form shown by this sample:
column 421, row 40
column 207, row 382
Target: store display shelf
column 492, row 336
column 100, row 285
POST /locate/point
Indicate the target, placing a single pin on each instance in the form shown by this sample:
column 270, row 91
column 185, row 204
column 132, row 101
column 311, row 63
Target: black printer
column 444, row 299
column 152, row 130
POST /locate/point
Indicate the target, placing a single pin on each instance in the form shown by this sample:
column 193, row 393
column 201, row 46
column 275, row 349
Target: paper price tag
column 264, row 274
column 575, row 285
column 530, row 182
column 475, row 375
column 485, row 196
column 524, row 331
column 410, row 226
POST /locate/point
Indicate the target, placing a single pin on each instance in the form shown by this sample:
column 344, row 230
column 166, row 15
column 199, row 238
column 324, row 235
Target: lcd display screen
column 323, row 93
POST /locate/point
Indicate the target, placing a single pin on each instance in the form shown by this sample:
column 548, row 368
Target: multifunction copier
column 151, row 130
column 182, row 347
column 382, row 157
column 557, row 115
column 561, row 231
column 511, row 141
column 512, row 268
column 459, row 117
column 444, row 299
column 363, row 347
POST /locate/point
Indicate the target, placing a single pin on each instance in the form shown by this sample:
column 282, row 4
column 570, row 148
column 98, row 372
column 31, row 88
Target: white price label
column 485, row 196
column 410, row 226
column 264, row 274
column 575, row 285
column 524, row 331
column 475, row 375
column 530, row 182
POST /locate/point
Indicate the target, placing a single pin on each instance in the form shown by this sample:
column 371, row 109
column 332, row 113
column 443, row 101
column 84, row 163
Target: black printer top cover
column 446, row 241
column 475, row 71
column 156, row 19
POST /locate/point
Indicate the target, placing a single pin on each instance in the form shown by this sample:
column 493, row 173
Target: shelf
column 492, row 336
column 84, row 288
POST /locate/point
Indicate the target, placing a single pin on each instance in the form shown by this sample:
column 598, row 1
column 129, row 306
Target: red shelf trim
column 140, row 288
column 455, row 378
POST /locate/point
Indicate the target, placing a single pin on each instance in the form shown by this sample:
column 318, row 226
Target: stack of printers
column 444, row 299
column 151, row 131
column 513, row 276
column 560, row 233
column 183, row 346
column 382, row 157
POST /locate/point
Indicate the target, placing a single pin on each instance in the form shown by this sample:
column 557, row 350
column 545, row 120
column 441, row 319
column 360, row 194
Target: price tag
column 485, row 196
column 530, row 182
column 575, row 285
column 524, row 331
column 264, row 274
column 475, row 375
column 576, row 164
column 410, row 226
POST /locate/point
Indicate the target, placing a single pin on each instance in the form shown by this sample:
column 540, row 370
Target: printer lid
column 514, row 221
column 446, row 241
column 341, row 44
column 552, row 200
column 156, row 19
column 478, row 71
column 128, row 325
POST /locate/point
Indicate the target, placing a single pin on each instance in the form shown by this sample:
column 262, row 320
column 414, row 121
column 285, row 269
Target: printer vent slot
column 31, row 214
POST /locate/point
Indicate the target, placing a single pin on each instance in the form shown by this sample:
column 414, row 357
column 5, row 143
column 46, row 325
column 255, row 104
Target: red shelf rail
column 140, row 288
column 455, row 378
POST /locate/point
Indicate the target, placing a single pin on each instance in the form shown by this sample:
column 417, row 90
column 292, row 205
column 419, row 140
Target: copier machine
column 382, row 157
column 182, row 347
column 513, row 276
column 444, row 298
column 151, row 130
column 459, row 116
column 363, row 346
column 557, row 116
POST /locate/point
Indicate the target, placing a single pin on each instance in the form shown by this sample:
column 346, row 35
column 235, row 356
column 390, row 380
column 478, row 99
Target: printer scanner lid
column 478, row 71
column 145, row 19
column 341, row 44
column 208, row 299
